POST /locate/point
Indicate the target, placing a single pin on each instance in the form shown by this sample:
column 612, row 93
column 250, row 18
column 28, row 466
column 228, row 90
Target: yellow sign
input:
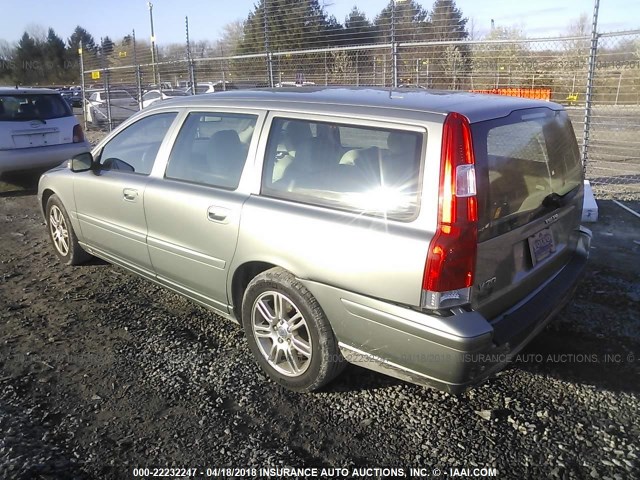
column 95, row 75
column 122, row 54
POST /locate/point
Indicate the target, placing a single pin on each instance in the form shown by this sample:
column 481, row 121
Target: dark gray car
column 426, row 235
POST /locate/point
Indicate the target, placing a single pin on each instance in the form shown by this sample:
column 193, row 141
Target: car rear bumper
column 450, row 353
column 20, row 159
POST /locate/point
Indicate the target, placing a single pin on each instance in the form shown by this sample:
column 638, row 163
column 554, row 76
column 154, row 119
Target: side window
column 134, row 149
column 211, row 149
column 367, row 170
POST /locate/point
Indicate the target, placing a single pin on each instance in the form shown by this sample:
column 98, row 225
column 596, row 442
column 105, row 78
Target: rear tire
column 288, row 333
column 61, row 234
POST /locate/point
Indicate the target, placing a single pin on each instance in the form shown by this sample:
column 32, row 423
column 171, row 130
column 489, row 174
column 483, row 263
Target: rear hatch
column 34, row 120
column 529, row 181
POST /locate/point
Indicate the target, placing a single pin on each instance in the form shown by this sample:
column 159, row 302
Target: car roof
column 26, row 91
column 476, row 107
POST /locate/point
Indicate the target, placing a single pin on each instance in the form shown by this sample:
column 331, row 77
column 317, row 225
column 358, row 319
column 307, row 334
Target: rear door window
column 27, row 107
column 523, row 160
column 372, row 171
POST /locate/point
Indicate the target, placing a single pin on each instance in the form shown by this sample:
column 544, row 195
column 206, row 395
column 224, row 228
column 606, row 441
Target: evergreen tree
column 290, row 25
column 411, row 22
column 447, row 22
column 107, row 46
column 358, row 30
column 28, row 68
column 81, row 35
column 54, row 50
column 449, row 64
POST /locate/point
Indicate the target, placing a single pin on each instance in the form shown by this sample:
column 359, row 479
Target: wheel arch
column 241, row 278
column 46, row 195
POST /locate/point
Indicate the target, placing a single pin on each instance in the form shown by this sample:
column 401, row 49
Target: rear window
column 371, row 171
column 521, row 160
column 27, row 107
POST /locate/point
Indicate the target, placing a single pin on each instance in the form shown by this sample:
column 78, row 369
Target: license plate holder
column 541, row 245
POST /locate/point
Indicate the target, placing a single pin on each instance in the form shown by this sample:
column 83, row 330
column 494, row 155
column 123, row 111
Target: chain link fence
column 555, row 69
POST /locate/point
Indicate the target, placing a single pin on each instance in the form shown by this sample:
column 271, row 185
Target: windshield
column 26, row 107
column 521, row 160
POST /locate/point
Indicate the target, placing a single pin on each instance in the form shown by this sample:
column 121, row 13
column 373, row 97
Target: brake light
column 78, row 134
column 450, row 263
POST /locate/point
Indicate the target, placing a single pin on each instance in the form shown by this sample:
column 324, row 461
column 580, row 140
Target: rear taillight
column 450, row 265
column 78, row 134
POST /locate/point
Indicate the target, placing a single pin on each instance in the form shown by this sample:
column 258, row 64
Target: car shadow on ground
column 20, row 184
column 606, row 363
column 17, row 193
column 356, row 379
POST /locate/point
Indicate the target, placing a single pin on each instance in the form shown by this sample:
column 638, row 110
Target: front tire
column 61, row 234
column 288, row 333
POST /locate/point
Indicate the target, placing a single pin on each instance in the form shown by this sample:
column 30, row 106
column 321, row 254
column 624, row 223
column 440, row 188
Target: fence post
column 105, row 82
column 107, row 90
column 266, row 45
column 593, row 52
column 192, row 73
column 82, row 87
column 138, row 73
column 326, row 70
column 394, row 46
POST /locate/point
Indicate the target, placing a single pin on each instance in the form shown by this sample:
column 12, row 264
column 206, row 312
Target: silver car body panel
column 365, row 271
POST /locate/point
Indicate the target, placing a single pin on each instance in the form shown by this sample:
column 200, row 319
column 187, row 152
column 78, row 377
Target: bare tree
column 577, row 49
column 232, row 37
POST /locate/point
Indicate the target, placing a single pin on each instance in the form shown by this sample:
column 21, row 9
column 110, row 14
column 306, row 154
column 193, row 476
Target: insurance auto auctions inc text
column 374, row 472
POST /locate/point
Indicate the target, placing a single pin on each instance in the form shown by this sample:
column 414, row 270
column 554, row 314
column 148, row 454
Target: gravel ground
column 101, row 372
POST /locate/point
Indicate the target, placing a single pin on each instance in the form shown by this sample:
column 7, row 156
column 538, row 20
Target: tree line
column 45, row 58
column 272, row 25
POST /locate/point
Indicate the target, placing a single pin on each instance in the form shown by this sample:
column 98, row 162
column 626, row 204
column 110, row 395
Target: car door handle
column 130, row 194
column 218, row 214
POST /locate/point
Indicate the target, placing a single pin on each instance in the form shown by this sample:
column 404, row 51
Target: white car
column 210, row 87
column 37, row 130
column 123, row 105
column 152, row 96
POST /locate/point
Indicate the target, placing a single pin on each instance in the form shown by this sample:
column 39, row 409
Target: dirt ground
column 102, row 372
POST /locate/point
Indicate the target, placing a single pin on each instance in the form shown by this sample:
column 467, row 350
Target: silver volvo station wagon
column 426, row 235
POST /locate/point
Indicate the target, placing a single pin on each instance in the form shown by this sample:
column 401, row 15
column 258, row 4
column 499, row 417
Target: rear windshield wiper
column 552, row 201
column 555, row 200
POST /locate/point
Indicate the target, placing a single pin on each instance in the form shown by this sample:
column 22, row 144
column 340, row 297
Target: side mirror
column 81, row 162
